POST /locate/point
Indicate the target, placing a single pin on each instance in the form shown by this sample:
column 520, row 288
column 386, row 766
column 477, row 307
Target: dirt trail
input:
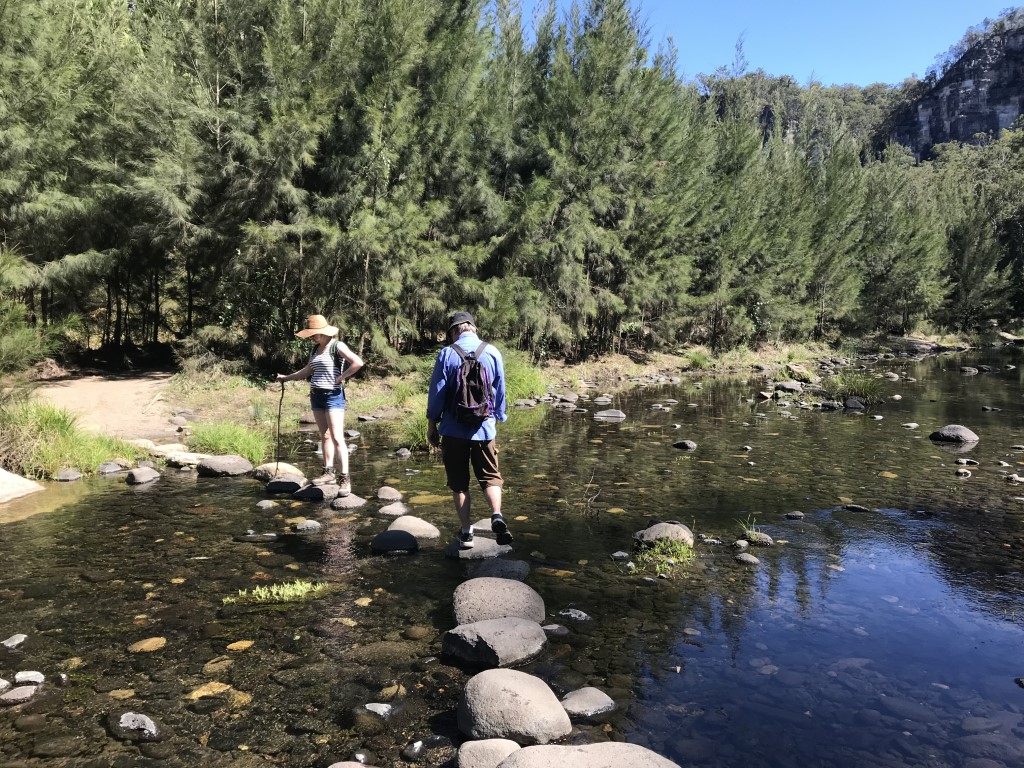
column 127, row 406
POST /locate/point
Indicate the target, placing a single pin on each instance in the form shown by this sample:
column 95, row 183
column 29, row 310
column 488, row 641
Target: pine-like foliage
column 168, row 167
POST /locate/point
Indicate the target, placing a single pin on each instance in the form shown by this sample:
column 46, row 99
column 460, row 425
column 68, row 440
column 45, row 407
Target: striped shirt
column 324, row 373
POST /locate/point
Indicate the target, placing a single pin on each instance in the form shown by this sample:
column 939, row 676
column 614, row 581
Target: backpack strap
column 480, row 350
column 339, row 361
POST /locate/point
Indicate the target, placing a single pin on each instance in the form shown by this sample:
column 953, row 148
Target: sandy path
column 125, row 406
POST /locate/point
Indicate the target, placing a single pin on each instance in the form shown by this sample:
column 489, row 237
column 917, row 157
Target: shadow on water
column 884, row 627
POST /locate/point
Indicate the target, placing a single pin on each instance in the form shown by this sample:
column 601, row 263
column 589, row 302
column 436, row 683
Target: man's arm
column 500, row 406
column 437, row 397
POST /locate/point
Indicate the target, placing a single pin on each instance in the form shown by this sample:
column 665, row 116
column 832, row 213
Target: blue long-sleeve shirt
column 445, row 379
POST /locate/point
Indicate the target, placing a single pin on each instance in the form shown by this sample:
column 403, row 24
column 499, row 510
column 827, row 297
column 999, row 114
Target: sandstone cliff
column 982, row 93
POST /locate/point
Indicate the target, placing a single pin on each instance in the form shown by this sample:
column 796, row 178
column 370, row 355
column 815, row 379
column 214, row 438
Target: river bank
column 165, row 406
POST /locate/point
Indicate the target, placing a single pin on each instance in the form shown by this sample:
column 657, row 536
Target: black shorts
column 458, row 453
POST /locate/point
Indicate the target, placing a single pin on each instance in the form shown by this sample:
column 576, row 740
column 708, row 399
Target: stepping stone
column 286, row 483
column 141, row 476
column 490, row 598
column 482, row 550
column 494, row 642
column 348, row 502
column 419, row 528
column 230, row 465
column 389, row 542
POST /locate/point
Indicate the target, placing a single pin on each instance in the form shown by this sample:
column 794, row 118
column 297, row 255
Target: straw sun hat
column 317, row 324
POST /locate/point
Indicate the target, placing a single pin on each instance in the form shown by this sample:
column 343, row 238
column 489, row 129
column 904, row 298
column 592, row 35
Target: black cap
column 459, row 318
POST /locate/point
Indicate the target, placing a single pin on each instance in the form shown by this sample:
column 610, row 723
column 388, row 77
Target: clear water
column 885, row 637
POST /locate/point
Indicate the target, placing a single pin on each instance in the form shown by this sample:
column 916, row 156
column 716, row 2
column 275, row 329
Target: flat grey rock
column 482, row 550
column 141, row 476
column 507, row 704
column 494, row 642
column 67, row 476
column 308, row 526
column 491, row 598
column 685, row 445
column 485, row 753
column 29, row 678
column 18, row 695
column 612, row 414
column 747, row 559
column 230, row 465
column 609, row 754
column 587, row 703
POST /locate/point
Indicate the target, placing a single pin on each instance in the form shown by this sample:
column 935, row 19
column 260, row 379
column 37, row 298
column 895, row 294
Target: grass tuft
column 223, row 437
column 39, row 440
column 854, row 384
column 289, row 592
column 663, row 557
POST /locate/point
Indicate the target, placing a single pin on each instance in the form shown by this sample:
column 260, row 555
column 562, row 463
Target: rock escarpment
column 982, row 93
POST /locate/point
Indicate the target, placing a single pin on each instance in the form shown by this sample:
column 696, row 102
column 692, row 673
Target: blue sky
column 835, row 41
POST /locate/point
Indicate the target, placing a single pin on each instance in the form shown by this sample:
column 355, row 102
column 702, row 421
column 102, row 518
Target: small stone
column 26, row 678
column 574, row 615
column 307, row 526
column 555, row 630
column 18, row 695
column 620, row 556
column 14, row 641
column 794, row 515
column 382, row 710
column 747, row 559
column 148, row 645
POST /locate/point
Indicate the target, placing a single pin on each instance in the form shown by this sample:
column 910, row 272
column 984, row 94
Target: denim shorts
column 327, row 399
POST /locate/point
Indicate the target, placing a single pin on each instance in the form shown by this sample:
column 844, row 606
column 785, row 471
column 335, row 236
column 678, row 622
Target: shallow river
column 890, row 633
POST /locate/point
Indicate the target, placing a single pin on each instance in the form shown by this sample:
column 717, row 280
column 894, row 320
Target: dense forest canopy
column 217, row 170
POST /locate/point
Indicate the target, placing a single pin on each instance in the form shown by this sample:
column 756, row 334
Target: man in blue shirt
column 468, row 443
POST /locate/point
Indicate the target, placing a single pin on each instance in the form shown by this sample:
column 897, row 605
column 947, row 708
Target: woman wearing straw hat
column 329, row 365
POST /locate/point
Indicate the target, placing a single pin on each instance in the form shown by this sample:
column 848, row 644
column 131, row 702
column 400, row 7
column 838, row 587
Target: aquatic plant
column 698, row 359
column 663, row 557
column 749, row 527
column 222, row 437
column 289, row 592
column 39, row 439
column 854, row 384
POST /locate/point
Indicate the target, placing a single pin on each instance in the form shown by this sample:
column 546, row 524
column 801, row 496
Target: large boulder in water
column 495, row 642
column 224, row 466
column 954, row 433
column 507, row 704
column 491, row 598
